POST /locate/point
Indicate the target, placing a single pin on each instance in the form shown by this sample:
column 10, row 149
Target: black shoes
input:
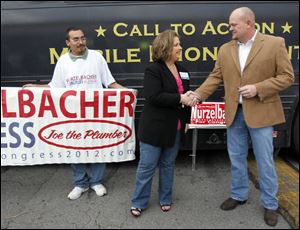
column 230, row 204
column 271, row 217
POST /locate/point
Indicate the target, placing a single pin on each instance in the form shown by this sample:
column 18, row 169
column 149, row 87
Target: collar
column 75, row 57
column 249, row 41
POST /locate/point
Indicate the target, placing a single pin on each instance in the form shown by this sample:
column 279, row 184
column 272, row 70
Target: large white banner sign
column 47, row 126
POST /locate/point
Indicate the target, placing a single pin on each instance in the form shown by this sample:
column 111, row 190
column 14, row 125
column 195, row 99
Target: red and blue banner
column 54, row 126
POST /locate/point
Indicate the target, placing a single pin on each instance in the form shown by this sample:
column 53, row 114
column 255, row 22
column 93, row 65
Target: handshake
column 190, row 98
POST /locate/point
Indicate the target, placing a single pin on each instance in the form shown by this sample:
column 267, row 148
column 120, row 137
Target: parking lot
column 36, row 197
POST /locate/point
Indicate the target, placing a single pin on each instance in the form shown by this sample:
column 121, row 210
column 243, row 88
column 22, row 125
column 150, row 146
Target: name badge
column 184, row 75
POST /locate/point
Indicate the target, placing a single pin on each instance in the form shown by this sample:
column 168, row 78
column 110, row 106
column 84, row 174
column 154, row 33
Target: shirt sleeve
column 58, row 77
column 106, row 76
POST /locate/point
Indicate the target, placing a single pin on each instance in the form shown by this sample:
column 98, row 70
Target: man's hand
column 248, row 91
column 27, row 85
column 190, row 98
column 135, row 92
column 35, row 85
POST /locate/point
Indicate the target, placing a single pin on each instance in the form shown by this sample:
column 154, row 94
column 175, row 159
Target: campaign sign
column 48, row 126
column 208, row 115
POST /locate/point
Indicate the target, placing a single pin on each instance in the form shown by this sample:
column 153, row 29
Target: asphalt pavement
column 36, row 197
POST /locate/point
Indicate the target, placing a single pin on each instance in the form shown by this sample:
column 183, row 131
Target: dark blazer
column 162, row 109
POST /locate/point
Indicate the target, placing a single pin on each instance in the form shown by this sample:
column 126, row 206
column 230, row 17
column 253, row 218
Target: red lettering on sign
column 4, row 106
column 128, row 105
column 107, row 103
column 59, row 134
column 47, row 95
column 29, row 103
column 94, row 104
column 23, row 102
column 62, row 103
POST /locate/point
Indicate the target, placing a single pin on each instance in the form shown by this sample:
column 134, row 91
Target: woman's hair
column 163, row 45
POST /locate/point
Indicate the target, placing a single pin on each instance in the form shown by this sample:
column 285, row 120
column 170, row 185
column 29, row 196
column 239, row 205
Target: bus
column 33, row 39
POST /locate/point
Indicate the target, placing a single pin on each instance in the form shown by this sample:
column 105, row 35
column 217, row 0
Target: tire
column 296, row 134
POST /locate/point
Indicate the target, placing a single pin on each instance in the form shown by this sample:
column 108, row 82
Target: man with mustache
column 86, row 69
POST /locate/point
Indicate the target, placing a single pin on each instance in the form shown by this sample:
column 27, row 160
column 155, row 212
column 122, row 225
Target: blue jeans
column 150, row 157
column 262, row 141
column 83, row 179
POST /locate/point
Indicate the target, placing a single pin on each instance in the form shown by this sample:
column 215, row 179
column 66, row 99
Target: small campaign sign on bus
column 208, row 114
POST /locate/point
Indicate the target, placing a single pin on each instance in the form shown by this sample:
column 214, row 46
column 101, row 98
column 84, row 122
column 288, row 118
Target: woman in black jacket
column 163, row 121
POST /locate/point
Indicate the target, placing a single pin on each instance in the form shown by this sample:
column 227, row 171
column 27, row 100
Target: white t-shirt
column 91, row 72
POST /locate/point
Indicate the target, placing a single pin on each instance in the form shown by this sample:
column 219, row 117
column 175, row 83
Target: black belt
column 240, row 106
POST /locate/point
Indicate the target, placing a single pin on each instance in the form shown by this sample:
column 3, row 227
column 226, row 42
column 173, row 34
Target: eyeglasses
column 76, row 39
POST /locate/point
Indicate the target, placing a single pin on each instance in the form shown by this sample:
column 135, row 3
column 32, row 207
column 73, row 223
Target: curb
column 288, row 192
